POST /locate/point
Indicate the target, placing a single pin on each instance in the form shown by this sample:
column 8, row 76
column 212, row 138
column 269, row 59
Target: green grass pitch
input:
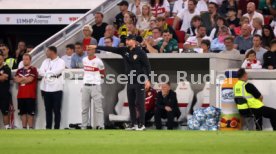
column 133, row 142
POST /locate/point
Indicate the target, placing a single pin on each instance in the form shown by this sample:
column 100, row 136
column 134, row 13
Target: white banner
column 38, row 19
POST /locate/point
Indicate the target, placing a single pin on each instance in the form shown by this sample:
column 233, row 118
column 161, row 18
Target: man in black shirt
column 120, row 17
column 137, row 68
column 166, row 106
column 99, row 27
column 270, row 57
column 5, row 96
column 262, row 111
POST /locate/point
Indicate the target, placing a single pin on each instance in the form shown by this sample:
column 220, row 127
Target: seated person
column 149, row 45
column 217, row 44
column 245, row 40
column 220, row 22
column 251, row 61
column 270, row 57
column 237, row 29
column 232, row 20
column 150, row 103
column 108, row 42
column 166, row 106
column 195, row 23
column 254, row 101
column 193, row 43
column 70, row 49
column 76, row 61
column 205, row 46
column 109, row 32
column 123, row 30
column 88, row 40
column 163, row 25
column 168, row 44
column 257, row 26
column 229, row 46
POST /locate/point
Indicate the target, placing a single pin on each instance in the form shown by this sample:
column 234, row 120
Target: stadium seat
column 121, row 108
column 180, row 36
column 170, row 22
column 185, row 96
column 157, row 87
column 203, row 97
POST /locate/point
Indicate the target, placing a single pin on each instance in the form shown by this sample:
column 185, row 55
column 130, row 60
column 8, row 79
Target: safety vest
column 240, row 91
column 10, row 62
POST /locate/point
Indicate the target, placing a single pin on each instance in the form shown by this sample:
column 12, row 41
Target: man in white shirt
column 194, row 42
column 186, row 16
column 51, row 86
column 93, row 74
column 252, row 13
column 70, row 49
column 179, row 6
column 202, row 5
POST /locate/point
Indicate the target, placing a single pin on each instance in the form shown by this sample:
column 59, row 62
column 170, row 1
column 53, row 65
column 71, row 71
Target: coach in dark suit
column 166, row 106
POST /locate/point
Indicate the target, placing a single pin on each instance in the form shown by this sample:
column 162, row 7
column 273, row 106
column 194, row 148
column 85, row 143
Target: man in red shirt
column 149, row 103
column 26, row 78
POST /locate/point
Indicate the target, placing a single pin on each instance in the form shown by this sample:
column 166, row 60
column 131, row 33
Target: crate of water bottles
column 205, row 119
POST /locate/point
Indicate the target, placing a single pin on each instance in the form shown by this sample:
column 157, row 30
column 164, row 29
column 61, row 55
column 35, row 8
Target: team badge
column 149, row 93
column 135, row 57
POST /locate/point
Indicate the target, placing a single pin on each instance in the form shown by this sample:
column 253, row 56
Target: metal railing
column 73, row 28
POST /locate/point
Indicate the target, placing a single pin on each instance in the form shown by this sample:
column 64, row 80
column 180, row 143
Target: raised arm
column 117, row 50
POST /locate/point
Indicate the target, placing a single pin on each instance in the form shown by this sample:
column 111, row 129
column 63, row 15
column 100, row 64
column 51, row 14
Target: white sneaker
column 141, row 128
column 135, row 127
column 7, row 127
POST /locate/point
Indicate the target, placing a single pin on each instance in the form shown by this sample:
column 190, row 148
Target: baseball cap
column 131, row 37
column 123, row 3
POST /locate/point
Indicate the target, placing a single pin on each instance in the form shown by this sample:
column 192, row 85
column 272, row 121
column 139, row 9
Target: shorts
column 26, row 106
column 5, row 104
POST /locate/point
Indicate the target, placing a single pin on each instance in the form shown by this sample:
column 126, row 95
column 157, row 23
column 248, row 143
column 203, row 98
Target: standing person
column 166, row 106
column 26, row 78
column 99, row 26
column 9, row 60
column 51, row 86
column 70, row 49
column 5, row 76
column 93, row 72
column 20, row 51
column 254, row 101
column 138, row 69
